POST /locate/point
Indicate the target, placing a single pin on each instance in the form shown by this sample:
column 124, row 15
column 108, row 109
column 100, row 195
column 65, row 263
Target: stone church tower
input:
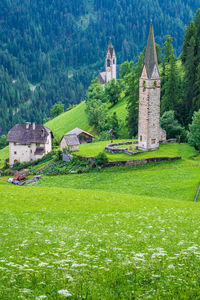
column 110, row 65
column 149, row 131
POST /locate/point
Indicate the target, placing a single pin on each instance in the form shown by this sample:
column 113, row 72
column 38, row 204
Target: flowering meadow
column 119, row 233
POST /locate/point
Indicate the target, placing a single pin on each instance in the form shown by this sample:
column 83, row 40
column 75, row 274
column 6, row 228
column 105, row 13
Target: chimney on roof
column 34, row 126
column 27, row 125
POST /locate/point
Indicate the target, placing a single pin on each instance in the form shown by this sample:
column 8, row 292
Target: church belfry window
column 155, row 84
column 108, row 62
column 113, row 61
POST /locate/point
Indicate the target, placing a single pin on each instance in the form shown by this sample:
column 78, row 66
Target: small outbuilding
column 83, row 136
column 70, row 142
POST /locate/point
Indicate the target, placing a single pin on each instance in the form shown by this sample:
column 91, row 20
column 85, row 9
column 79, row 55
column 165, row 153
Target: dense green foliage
column 191, row 62
column 194, row 133
column 172, row 126
column 49, row 52
column 3, row 142
column 57, row 109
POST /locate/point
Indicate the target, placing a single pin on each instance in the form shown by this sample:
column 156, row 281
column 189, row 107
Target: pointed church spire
column 110, row 49
column 150, row 59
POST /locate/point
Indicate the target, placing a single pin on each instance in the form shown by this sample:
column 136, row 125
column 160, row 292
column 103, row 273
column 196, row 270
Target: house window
column 141, row 138
column 15, row 152
column 37, row 144
column 153, row 141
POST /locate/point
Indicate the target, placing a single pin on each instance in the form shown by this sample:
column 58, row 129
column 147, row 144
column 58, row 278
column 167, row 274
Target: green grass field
column 117, row 233
column 169, row 150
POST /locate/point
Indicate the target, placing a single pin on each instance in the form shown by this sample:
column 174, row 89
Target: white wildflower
column 65, row 293
column 171, row 266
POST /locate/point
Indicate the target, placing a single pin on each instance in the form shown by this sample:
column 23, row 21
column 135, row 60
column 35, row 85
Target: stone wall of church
column 149, row 114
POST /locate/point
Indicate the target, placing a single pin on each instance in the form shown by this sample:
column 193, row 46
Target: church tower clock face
column 108, row 69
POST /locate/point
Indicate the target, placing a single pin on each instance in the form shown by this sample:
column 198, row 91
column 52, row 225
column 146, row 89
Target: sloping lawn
column 69, row 120
column 168, row 150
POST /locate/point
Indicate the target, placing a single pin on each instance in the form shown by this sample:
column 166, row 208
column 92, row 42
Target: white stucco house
column 28, row 142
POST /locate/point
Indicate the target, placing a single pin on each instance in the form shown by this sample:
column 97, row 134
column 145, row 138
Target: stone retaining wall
column 113, row 148
column 137, row 162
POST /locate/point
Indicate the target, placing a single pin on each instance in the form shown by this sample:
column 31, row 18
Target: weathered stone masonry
column 149, row 131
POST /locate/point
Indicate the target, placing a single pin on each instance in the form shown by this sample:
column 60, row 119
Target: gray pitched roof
column 78, row 131
column 110, row 48
column 71, row 139
column 102, row 77
column 150, row 59
column 20, row 134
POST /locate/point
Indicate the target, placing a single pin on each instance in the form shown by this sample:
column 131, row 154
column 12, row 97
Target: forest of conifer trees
column 50, row 53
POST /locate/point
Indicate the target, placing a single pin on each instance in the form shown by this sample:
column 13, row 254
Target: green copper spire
column 150, row 59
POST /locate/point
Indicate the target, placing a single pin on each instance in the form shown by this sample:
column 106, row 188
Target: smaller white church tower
column 110, row 65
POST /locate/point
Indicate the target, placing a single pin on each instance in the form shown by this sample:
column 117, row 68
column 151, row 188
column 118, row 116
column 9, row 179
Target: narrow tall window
column 141, row 138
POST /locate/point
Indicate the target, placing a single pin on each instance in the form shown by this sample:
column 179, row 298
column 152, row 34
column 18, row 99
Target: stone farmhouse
column 110, row 64
column 73, row 138
column 149, row 131
column 28, row 142
column 70, row 142
column 84, row 137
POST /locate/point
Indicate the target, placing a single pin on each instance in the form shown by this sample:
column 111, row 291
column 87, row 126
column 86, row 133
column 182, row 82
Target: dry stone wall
column 138, row 162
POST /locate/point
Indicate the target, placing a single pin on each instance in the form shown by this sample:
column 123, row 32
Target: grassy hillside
column 117, row 233
column 67, row 121
column 76, row 117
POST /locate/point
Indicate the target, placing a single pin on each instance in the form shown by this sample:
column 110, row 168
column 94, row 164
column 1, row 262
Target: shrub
column 194, row 131
column 101, row 159
column 59, row 155
column 172, row 126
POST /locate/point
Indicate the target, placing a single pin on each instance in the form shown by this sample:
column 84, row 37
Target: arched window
column 144, row 83
column 113, row 61
column 108, row 62
column 155, row 83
